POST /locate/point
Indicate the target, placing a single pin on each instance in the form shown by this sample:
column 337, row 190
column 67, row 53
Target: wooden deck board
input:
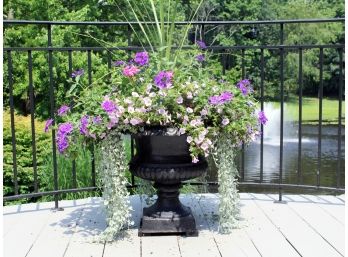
column 327, row 230
column 204, row 245
column 55, row 236
column 307, row 225
column 237, row 243
column 335, row 210
column 301, row 236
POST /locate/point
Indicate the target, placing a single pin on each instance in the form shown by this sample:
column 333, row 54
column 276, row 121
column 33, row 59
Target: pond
column 309, row 156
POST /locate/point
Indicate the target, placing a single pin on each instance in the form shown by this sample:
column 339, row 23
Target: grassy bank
column 310, row 110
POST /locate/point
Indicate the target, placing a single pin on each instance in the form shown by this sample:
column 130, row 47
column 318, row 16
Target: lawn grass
column 310, row 110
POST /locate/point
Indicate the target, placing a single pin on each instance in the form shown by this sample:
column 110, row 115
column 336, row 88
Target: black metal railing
column 280, row 48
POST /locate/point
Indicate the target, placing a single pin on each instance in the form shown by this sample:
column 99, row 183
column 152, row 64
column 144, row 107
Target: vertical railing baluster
column 300, row 83
column 243, row 146
column 13, row 131
column 262, row 108
column 73, row 168
column 320, row 95
column 281, row 34
column 32, row 118
column 89, row 64
column 340, row 90
column 223, row 61
column 281, row 122
column 52, row 103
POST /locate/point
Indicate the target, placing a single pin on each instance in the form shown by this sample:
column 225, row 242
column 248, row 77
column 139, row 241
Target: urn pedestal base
column 167, row 215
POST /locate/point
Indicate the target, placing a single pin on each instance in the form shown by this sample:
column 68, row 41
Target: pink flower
column 195, row 160
column 130, row 71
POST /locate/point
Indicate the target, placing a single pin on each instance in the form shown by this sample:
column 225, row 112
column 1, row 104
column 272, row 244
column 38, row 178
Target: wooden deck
column 306, row 226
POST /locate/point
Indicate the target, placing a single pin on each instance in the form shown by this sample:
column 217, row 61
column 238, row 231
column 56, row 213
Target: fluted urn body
column 164, row 158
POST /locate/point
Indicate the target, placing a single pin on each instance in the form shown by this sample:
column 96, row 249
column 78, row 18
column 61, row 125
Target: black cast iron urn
column 163, row 156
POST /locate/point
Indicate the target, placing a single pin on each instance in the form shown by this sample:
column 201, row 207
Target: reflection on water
column 309, row 158
column 309, row 153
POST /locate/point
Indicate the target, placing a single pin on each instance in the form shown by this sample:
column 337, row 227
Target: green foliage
column 24, row 154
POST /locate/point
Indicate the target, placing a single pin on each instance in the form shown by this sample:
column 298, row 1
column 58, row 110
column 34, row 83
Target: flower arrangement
column 142, row 96
column 160, row 88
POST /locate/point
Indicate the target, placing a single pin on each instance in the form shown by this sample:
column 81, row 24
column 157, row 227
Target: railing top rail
column 96, row 48
column 121, row 23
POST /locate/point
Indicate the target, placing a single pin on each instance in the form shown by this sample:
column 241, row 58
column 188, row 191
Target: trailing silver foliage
column 229, row 208
column 112, row 168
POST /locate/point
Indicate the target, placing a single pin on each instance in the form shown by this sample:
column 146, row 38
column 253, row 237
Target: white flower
column 182, row 131
column 135, row 94
column 128, row 101
column 130, row 109
column 189, row 139
column 195, row 160
column 204, row 112
column 126, row 121
column 225, row 121
column 152, row 94
column 180, row 100
column 219, row 110
column 189, row 110
column 189, row 95
column 147, row 101
column 135, row 121
column 198, row 141
column 161, row 111
column 205, row 146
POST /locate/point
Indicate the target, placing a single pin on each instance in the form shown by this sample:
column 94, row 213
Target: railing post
column 52, row 102
column 281, row 145
column 32, row 118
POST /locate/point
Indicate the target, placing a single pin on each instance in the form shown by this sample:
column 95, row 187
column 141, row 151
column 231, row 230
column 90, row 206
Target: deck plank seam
column 207, row 222
column 319, row 205
column 38, row 235
column 314, row 229
column 74, row 230
column 269, row 218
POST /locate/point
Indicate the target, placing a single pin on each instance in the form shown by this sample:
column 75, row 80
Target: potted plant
column 179, row 111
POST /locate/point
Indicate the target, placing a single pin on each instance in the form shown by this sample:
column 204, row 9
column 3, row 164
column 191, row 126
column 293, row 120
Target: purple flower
column 141, row 58
column 62, row 144
column 244, row 86
column 83, row 125
column 109, row 106
column 262, row 117
column 164, row 79
column 77, row 73
column 97, row 120
column 63, row 110
column 118, row 63
column 48, row 124
column 214, row 100
column 201, row 44
column 200, row 58
column 65, row 129
column 226, row 97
